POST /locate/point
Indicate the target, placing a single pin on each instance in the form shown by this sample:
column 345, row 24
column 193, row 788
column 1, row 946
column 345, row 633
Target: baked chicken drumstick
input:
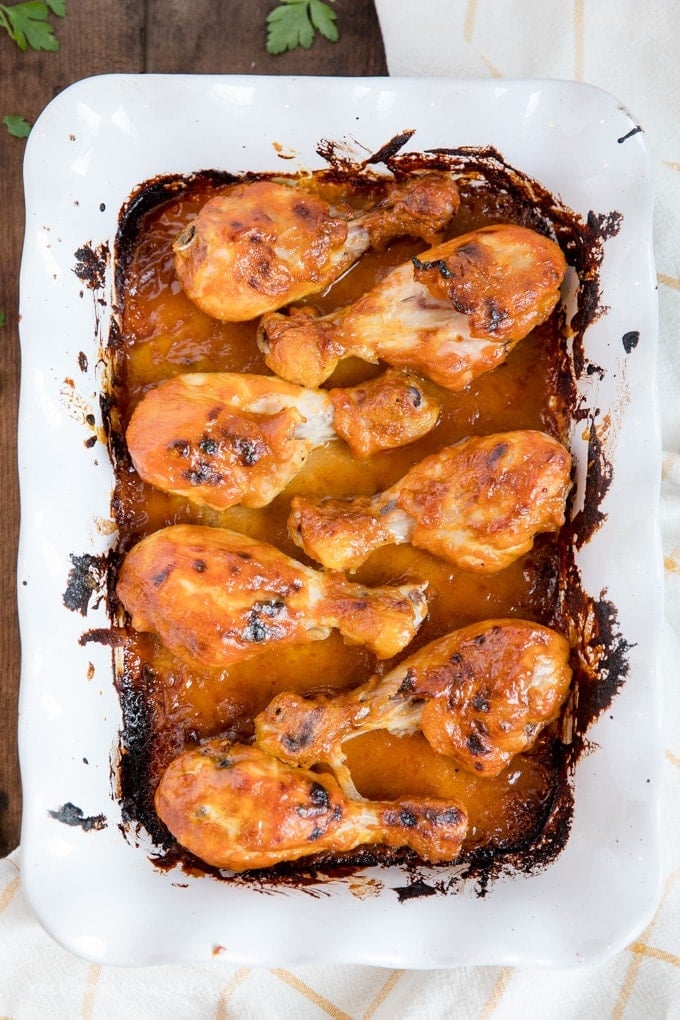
column 477, row 504
column 224, row 438
column 262, row 244
column 451, row 314
column 217, row 597
column 480, row 695
column 235, row 807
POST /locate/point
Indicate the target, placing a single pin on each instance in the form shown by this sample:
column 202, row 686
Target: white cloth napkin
column 629, row 49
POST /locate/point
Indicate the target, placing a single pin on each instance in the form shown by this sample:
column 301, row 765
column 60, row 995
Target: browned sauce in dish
column 170, row 705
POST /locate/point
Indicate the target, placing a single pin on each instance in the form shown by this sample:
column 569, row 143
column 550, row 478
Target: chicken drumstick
column 235, row 807
column 223, row 438
column 478, row 505
column 262, row 244
column 480, row 695
column 217, row 597
column 451, row 315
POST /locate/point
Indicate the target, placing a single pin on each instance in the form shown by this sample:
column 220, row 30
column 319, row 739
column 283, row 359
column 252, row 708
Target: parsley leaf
column 295, row 22
column 2, row 319
column 323, row 18
column 27, row 25
column 16, row 125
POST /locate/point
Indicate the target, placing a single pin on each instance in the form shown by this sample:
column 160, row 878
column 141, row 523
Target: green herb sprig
column 27, row 25
column 16, row 125
column 294, row 23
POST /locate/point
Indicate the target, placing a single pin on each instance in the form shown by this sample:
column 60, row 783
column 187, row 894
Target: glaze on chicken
column 236, row 807
column 478, row 505
column 225, row 438
column 451, row 314
column 480, row 695
column 217, row 597
column 261, row 245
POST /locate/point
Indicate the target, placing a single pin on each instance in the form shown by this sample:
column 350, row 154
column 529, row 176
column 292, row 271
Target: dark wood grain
column 97, row 37
column 213, row 37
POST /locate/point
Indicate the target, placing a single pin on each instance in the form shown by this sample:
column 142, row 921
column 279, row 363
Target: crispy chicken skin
column 236, row 807
column 225, row 438
column 478, row 505
column 217, row 597
column 451, row 314
column 421, row 206
column 480, row 695
column 262, row 244
column 383, row 413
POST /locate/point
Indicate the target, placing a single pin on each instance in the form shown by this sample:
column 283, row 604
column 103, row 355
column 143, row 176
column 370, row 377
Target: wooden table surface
column 124, row 36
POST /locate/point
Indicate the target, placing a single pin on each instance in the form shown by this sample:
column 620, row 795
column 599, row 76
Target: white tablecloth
column 630, row 49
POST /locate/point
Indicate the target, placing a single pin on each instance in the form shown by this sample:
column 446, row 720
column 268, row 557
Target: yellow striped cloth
column 39, row 979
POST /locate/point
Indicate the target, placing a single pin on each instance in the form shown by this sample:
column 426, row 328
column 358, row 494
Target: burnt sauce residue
column 600, row 658
column 87, row 580
column 70, row 814
column 91, row 263
column 630, row 340
column 629, row 134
